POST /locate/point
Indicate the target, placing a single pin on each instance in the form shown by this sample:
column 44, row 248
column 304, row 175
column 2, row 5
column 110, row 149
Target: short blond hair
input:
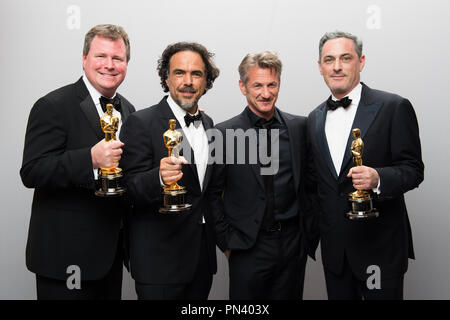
column 109, row 31
column 264, row 59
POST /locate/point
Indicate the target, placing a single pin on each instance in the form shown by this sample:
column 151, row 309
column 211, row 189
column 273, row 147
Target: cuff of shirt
column 160, row 180
column 377, row 189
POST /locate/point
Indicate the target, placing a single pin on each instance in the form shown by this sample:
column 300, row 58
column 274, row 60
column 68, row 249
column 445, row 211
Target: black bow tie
column 115, row 102
column 192, row 119
column 265, row 124
column 333, row 105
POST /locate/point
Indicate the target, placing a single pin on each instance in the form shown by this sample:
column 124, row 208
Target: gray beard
column 187, row 106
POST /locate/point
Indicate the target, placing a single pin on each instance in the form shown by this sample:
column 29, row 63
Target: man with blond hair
column 261, row 208
column 75, row 240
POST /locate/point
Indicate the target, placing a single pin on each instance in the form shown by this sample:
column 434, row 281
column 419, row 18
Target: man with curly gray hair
column 172, row 257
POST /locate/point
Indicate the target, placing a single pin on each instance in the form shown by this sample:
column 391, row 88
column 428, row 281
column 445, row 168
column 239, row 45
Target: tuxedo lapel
column 320, row 117
column 294, row 145
column 89, row 109
column 365, row 115
column 207, row 125
column 125, row 108
column 256, row 168
column 166, row 113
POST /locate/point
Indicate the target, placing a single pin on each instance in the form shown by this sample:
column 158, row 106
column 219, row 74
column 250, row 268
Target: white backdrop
column 407, row 52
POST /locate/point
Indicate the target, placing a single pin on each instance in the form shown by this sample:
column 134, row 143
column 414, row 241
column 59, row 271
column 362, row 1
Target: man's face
column 261, row 91
column 105, row 65
column 186, row 79
column 340, row 66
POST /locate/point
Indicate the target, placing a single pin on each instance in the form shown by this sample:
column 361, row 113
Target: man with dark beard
column 172, row 256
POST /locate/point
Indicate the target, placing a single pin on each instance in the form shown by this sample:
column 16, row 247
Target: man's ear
column 242, row 87
column 362, row 62
column 320, row 67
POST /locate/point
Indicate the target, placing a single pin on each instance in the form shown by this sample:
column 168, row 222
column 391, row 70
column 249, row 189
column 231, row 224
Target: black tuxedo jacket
column 69, row 225
column 390, row 133
column 164, row 248
column 237, row 194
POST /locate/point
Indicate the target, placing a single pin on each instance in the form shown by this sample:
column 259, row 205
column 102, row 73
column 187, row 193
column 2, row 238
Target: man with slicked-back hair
column 362, row 259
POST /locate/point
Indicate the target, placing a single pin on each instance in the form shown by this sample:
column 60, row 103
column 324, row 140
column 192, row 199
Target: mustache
column 187, row 89
column 338, row 74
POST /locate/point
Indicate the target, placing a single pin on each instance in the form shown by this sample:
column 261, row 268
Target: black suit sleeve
column 141, row 176
column 214, row 194
column 407, row 169
column 46, row 161
column 311, row 205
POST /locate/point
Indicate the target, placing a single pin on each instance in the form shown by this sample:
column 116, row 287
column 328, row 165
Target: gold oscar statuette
column 361, row 200
column 110, row 177
column 174, row 195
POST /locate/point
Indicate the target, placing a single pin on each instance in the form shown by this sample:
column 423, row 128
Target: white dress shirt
column 338, row 125
column 95, row 95
column 196, row 137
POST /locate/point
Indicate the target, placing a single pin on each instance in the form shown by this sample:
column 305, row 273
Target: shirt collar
column 95, row 95
column 178, row 111
column 254, row 119
column 354, row 95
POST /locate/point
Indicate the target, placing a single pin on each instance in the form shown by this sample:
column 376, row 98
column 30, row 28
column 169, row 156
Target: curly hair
column 212, row 72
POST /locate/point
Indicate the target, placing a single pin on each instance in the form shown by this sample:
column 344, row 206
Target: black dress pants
column 107, row 288
column 196, row 289
column 273, row 269
column 346, row 286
